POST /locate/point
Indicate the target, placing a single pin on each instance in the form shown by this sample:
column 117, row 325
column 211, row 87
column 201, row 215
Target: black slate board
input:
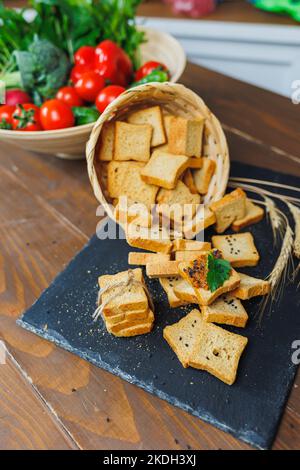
column 250, row 409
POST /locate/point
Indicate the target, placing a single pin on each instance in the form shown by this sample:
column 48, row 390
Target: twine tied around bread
column 130, row 281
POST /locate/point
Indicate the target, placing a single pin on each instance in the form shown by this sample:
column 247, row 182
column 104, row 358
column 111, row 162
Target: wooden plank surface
column 47, row 213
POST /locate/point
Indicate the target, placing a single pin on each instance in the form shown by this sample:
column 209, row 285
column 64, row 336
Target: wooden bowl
column 70, row 143
column 174, row 99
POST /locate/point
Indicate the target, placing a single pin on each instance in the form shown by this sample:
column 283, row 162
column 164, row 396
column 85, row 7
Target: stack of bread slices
column 126, row 310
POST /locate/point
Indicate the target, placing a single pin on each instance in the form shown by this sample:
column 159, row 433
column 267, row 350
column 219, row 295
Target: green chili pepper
column 84, row 115
column 157, row 75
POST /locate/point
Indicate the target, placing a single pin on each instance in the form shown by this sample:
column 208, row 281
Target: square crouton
column 201, row 220
column 128, row 298
column 252, row 215
column 180, row 244
column 164, row 169
column 226, row 310
column 167, row 283
column 162, row 269
column 140, row 258
column 107, row 141
column 188, row 180
column 203, row 176
column 218, row 352
column 178, row 202
column 152, row 116
column 239, row 249
column 191, row 272
column 124, row 179
column 185, row 136
column 152, row 239
column 182, row 336
column 251, row 287
column 231, row 207
column 132, row 142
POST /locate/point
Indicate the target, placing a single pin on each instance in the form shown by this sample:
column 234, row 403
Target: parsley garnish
column 218, row 272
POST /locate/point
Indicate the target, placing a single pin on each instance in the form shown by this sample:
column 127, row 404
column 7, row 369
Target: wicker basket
column 175, row 99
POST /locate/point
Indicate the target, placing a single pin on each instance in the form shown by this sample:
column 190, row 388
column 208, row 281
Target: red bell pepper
column 113, row 63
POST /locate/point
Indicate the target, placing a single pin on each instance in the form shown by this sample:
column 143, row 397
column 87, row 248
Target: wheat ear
column 296, row 248
column 276, row 218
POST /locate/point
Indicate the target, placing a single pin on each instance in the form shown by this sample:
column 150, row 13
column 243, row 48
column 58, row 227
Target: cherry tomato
column 6, row 113
column 56, row 114
column 85, row 55
column 26, row 117
column 89, row 86
column 79, row 70
column 107, row 95
column 69, row 95
column 147, row 68
column 113, row 63
column 16, row 96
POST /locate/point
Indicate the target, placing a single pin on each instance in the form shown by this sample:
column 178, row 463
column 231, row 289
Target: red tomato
column 89, row 86
column 16, row 96
column 6, row 113
column 147, row 68
column 113, row 63
column 107, row 95
column 26, row 117
column 85, row 55
column 79, row 70
column 56, row 114
column 69, row 95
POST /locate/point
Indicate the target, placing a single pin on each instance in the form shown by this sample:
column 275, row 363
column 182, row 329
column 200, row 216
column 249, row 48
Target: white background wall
column 264, row 55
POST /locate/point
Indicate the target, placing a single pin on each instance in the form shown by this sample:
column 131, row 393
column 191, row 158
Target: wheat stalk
column 277, row 276
column 276, row 218
column 265, row 183
column 296, row 248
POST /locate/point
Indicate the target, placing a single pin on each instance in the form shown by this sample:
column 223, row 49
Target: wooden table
column 240, row 11
column 52, row 399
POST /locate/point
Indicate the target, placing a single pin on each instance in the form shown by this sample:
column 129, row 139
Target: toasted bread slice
column 202, row 219
column 153, row 239
column 204, row 295
column 162, row 269
column 168, row 284
column 188, row 180
column 227, row 310
column 182, row 336
column 218, row 352
column 195, row 163
column 123, row 298
column 131, row 315
column 124, row 179
column 152, row 116
column 139, row 258
column 127, row 211
column 239, row 248
column 169, row 201
column 107, row 142
column 251, row 287
column 128, row 323
column 181, row 244
column 132, row 142
column 203, row 176
column 253, row 215
column 185, row 136
column 187, row 255
column 164, row 169
column 228, row 209
column 184, row 291
column 141, row 329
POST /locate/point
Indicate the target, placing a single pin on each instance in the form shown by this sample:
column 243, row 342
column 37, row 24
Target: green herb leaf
column 218, row 272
